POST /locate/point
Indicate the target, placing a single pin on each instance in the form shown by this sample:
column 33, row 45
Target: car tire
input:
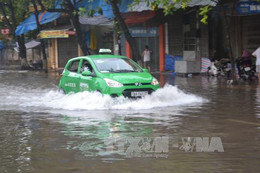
column 98, row 91
column 62, row 91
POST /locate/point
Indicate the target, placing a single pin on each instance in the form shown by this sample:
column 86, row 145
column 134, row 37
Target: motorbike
column 36, row 65
column 220, row 68
column 212, row 69
column 246, row 70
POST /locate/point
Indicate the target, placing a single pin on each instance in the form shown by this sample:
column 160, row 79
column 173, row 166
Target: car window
column 86, row 66
column 116, row 65
column 74, row 66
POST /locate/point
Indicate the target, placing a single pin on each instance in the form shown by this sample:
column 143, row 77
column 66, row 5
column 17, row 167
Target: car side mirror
column 145, row 70
column 86, row 73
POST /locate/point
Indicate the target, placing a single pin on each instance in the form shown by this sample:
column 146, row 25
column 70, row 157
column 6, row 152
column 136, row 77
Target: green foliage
column 20, row 7
column 100, row 11
column 117, row 27
column 170, row 6
column 74, row 13
column 48, row 3
column 204, row 13
column 82, row 11
column 20, row 11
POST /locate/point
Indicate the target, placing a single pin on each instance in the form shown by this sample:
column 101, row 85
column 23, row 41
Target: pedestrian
column 256, row 54
column 146, row 57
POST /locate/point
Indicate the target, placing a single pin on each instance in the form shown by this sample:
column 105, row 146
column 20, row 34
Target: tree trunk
column 228, row 36
column 22, row 52
column 75, row 20
column 45, row 67
column 135, row 53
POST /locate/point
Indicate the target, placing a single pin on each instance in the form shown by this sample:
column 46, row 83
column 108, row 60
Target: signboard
column 54, row 34
column 144, row 32
column 5, row 31
column 248, row 7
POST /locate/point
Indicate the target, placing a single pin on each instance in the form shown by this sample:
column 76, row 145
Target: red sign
column 5, row 31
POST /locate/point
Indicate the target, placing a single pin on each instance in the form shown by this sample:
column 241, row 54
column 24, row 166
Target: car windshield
column 116, row 65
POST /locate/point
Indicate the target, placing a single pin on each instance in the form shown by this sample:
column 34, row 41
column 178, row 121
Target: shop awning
column 30, row 24
column 124, row 8
column 142, row 6
column 95, row 20
column 107, row 17
column 106, row 8
column 138, row 17
column 29, row 45
column 32, row 44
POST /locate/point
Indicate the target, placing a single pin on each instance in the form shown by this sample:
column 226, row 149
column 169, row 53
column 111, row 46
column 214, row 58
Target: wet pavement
column 42, row 130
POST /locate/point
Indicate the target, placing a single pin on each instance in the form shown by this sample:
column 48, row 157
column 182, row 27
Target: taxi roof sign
column 105, row 51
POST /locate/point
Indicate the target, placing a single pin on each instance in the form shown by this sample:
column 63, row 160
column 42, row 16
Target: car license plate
column 138, row 93
column 247, row 68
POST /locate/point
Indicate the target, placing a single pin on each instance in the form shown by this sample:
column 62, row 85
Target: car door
column 73, row 77
column 87, row 83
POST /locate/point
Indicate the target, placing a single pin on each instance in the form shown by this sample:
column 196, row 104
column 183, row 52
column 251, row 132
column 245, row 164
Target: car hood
column 127, row 78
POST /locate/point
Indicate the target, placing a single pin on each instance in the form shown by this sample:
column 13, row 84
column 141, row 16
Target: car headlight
column 112, row 83
column 155, row 82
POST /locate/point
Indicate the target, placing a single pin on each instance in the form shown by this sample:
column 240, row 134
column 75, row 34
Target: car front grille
column 134, row 84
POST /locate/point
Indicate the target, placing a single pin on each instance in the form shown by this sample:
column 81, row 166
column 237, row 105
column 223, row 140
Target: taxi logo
column 138, row 84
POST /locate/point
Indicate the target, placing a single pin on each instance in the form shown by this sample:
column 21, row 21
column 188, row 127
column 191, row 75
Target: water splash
column 39, row 99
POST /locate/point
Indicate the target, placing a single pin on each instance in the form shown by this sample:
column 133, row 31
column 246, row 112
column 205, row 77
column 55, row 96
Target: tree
column 36, row 13
column 74, row 16
column 118, row 18
column 69, row 7
column 73, row 12
column 17, row 12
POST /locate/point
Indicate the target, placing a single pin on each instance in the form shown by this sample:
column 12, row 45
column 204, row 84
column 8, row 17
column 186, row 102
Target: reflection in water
column 90, row 138
column 15, row 134
column 44, row 131
column 89, row 133
column 257, row 99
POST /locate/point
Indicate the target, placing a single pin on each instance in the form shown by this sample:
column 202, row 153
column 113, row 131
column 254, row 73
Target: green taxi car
column 108, row 74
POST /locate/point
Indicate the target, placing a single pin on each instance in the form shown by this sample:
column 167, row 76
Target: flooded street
column 42, row 130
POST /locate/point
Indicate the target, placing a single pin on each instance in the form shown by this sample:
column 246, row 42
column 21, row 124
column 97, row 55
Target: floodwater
column 42, row 130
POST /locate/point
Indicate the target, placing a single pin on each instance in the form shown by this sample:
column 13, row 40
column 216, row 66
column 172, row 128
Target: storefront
column 147, row 36
column 249, row 25
column 151, row 35
column 187, row 40
column 62, row 46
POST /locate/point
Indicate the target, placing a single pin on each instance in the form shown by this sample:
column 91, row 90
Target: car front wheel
column 62, row 91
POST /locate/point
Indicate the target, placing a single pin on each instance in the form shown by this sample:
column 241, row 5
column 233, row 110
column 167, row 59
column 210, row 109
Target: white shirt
column 146, row 55
column 256, row 53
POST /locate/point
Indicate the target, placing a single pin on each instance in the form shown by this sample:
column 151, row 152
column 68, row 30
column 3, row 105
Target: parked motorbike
column 220, row 68
column 36, row 65
column 246, row 70
column 212, row 69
